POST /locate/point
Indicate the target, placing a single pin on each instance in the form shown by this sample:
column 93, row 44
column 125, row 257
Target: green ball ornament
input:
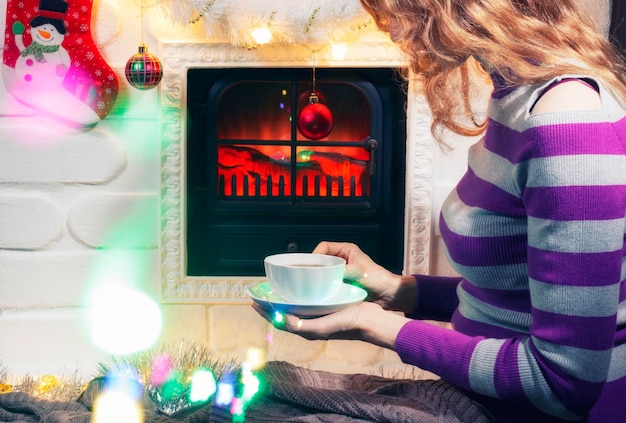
column 144, row 70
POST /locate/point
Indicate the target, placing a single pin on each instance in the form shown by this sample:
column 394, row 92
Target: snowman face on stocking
column 51, row 63
column 46, row 35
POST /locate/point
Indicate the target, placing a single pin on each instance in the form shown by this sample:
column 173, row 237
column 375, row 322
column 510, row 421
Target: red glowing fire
column 266, row 171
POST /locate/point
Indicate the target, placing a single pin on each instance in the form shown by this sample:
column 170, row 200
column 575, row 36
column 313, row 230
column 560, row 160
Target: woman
column 536, row 227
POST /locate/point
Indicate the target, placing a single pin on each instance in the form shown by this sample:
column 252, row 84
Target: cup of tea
column 305, row 278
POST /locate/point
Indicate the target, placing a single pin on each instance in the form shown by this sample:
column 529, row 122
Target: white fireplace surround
column 177, row 58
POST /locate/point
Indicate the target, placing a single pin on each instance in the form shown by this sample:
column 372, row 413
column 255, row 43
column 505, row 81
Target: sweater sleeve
column 572, row 183
column 437, row 298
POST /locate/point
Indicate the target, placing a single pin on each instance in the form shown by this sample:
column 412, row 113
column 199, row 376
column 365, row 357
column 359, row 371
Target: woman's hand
column 366, row 322
column 390, row 291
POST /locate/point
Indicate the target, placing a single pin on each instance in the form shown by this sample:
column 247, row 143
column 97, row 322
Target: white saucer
column 348, row 295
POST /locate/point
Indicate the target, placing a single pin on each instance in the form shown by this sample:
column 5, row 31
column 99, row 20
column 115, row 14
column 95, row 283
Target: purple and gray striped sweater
column 537, row 230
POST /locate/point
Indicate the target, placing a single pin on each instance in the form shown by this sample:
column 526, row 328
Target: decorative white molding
column 418, row 197
column 177, row 58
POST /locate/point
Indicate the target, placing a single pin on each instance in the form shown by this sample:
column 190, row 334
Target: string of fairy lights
column 176, row 377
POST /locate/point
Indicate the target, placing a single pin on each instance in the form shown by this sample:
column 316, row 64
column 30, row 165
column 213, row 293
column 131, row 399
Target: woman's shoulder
column 566, row 95
column 563, row 99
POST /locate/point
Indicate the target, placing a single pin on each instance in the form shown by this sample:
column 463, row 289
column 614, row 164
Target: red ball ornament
column 144, row 70
column 315, row 120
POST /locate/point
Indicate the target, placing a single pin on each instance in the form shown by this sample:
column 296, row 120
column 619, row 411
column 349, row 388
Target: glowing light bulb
column 116, row 407
column 225, row 393
column 237, row 411
column 162, row 366
column 339, row 51
column 262, row 35
column 279, row 318
column 255, row 358
column 203, row 386
column 250, row 383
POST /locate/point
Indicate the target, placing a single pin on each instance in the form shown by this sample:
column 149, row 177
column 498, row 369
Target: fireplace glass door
column 280, row 159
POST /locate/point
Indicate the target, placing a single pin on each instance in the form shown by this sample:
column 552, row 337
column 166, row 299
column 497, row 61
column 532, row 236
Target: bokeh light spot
column 162, row 366
column 262, row 35
column 250, row 383
column 203, row 386
column 225, row 390
column 339, row 51
column 116, row 407
column 255, row 358
column 237, row 411
column 279, row 318
column 123, row 320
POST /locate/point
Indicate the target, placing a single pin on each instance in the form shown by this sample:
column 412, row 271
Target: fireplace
column 180, row 60
column 262, row 178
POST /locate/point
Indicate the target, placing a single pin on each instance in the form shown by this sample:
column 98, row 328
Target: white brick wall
column 65, row 196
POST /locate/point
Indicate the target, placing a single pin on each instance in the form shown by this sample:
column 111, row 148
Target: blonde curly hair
column 521, row 41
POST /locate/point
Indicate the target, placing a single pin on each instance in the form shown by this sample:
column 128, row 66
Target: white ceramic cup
column 304, row 277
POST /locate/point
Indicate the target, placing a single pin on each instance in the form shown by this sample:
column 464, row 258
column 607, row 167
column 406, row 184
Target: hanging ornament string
column 315, row 120
column 143, row 70
column 314, row 79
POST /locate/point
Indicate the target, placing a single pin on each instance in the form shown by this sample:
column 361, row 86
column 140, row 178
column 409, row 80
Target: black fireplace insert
column 279, row 159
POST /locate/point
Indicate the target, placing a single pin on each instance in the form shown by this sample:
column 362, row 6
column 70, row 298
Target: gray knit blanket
column 289, row 394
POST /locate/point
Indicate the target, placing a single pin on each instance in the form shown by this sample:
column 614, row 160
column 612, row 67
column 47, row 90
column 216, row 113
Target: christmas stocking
column 51, row 63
